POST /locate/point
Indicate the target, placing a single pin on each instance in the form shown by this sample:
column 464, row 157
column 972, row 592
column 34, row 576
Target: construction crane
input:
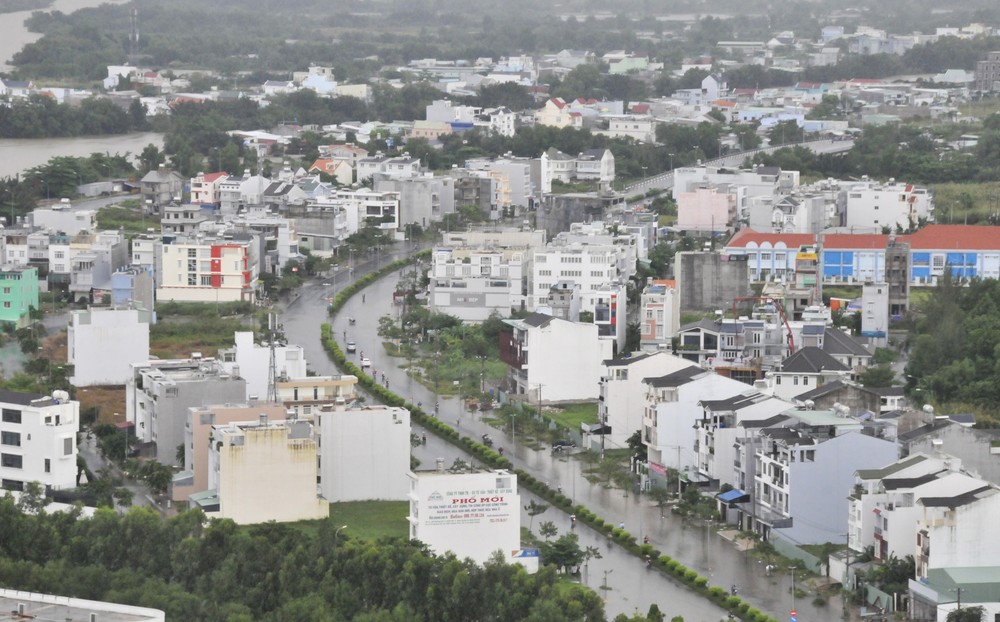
column 781, row 313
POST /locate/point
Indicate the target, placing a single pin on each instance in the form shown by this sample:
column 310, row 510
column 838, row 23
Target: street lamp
column 671, row 156
column 337, row 533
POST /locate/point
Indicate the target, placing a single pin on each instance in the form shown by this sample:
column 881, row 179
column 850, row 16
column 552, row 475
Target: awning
column 733, row 496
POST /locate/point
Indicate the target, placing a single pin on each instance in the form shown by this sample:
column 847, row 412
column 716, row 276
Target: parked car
column 562, row 445
column 365, row 362
column 352, row 347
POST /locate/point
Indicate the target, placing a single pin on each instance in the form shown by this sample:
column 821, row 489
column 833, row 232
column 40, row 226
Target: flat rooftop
column 52, row 608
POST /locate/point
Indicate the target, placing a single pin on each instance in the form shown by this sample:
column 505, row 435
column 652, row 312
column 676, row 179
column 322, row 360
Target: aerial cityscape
column 389, row 311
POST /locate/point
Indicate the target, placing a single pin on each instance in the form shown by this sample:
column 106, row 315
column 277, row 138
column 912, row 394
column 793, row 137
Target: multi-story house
column 18, row 294
column 38, row 440
column 240, row 191
column 158, row 394
column 304, row 397
column 103, row 343
column 556, row 113
column 262, row 471
column 422, row 200
column 399, row 167
column 472, row 284
column 205, row 189
column 761, row 181
column 518, row 186
column 670, row 413
column 805, row 473
column 807, row 369
column 209, row 269
column 723, row 426
column 536, row 349
column 659, row 314
column 708, row 208
column 988, row 73
column 160, row 187
column 876, row 206
column 197, row 436
column 349, row 469
column 623, row 392
column 182, row 219
column 641, row 128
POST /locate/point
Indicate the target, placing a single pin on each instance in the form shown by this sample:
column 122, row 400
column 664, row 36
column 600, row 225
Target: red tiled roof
column 722, row 103
column 576, row 114
column 558, row 102
column 855, row 240
column 640, row 108
column 808, row 85
column 931, row 237
column 943, row 237
column 791, row 240
column 214, row 176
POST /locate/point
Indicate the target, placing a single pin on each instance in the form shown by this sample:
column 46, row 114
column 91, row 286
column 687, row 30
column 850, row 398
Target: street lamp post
column 337, row 533
column 671, row 156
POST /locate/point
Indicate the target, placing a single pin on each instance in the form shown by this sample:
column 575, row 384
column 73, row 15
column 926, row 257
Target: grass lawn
column 131, row 220
column 371, row 520
column 573, row 415
column 179, row 336
column 958, row 202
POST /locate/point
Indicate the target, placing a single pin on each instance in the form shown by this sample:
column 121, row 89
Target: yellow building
column 263, row 471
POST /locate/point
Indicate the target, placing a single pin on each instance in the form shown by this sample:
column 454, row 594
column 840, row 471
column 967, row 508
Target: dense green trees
column 39, row 116
column 267, row 572
column 955, row 349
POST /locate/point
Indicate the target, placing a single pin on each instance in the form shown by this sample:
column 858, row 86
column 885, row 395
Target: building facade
column 38, row 440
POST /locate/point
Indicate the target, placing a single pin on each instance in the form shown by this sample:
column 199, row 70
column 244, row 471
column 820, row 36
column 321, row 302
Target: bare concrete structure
column 710, row 280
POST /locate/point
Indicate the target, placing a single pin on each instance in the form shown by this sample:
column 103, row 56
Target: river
column 17, row 154
column 14, row 35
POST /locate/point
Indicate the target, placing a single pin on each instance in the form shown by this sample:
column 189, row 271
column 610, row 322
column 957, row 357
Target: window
column 206, row 280
column 11, row 461
column 68, row 446
column 6, row 304
column 192, row 253
column 48, row 465
column 11, row 416
column 13, row 484
column 10, row 438
column 192, row 279
column 6, row 290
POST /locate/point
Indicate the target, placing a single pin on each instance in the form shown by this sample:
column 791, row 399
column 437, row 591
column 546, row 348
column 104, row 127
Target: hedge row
column 493, row 459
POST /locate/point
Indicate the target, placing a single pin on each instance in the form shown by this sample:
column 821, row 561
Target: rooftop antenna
column 133, row 35
column 272, row 369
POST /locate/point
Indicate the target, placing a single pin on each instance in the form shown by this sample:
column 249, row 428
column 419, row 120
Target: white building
column 641, row 128
column 59, row 218
column 623, row 392
column 38, row 440
column 209, row 269
column 538, row 350
column 762, row 181
column 252, row 362
column 262, row 471
column 400, row 167
column 472, row 284
column 873, row 205
column 804, row 475
column 518, row 187
column 473, row 515
column 102, row 344
column 709, row 207
column 671, row 411
column 807, row 369
column 361, row 208
column 365, row 453
column 875, row 313
column 591, row 262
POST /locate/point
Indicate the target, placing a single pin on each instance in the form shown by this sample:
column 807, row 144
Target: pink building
column 205, row 188
column 707, row 208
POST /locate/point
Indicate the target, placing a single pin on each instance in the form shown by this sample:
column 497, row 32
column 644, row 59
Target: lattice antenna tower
column 133, row 35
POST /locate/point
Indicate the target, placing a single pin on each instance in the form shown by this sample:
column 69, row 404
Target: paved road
column 665, row 181
column 696, row 546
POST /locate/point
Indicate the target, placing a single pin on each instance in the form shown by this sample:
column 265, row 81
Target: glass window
column 11, row 416
column 11, row 461
column 10, row 438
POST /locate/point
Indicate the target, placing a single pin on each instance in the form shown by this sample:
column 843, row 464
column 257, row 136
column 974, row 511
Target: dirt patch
column 108, row 400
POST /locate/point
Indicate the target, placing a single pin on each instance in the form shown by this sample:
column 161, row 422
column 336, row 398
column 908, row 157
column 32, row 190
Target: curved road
column 633, row 587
